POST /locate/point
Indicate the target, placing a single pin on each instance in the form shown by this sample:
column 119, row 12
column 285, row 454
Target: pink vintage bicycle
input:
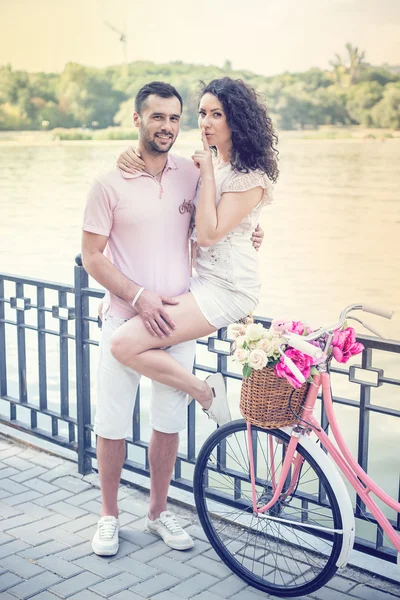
column 272, row 502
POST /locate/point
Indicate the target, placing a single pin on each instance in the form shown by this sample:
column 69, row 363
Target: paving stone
column 68, row 510
column 197, row 532
column 184, row 555
column 28, row 474
column 132, row 506
column 4, row 494
column 115, row 584
column 54, row 520
column 10, row 451
column 20, row 566
column 43, row 550
column 8, row 580
column 17, row 521
column 29, row 535
column 51, row 498
column 130, row 565
column 73, row 484
column 42, row 596
column 128, row 595
column 59, row 471
column 139, row 538
column 125, row 548
column 229, row 586
column 8, row 472
column 18, row 499
column 368, row 593
column 84, row 497
column 155, row 585
column 341, row 584
column 41, row 486
column 93, row 506
column 4, row 538
column 65, row 537
column 208, row 595
column 76, row 551
column 46, row 460
column 249, row 594
column 99, row 566
column 77, row 525
column 74, row 585
column 36, row 511
column 35, row 585
column 8, row 511
column 326, row 593
column 167, row 565
column 86, row 595
column 12, row 548
column 147, row 554
column 18, row 463
column 12, row 487
column 194, row 585
column 126, row 519
column 206, row 565
column 59, row 566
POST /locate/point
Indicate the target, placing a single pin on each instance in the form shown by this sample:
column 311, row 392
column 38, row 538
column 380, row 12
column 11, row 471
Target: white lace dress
column 225, row 282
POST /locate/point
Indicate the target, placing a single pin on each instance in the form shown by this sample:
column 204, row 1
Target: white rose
column 240, row 340
column 257, row 359
column 266, row 345
column 254, row 332
column 241, row 355
column 235, row 330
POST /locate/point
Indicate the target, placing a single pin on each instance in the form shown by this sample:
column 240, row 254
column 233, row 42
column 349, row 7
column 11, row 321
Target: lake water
column 332, row 236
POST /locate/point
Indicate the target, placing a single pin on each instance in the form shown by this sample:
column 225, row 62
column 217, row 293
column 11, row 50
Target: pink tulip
column 344, row 345
column 302, row 362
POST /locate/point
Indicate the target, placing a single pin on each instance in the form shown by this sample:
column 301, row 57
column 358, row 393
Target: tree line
column 350, row 92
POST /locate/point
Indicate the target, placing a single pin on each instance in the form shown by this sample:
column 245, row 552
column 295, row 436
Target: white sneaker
column 105, row 541
column 219, row 409
column 168, row 528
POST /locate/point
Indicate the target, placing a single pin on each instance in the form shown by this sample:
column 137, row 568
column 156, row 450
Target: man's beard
column 151, row 145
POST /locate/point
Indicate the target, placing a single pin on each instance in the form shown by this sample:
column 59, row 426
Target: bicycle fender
column 341, row 493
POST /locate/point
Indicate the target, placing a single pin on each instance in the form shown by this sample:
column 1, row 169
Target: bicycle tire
column 271, row 562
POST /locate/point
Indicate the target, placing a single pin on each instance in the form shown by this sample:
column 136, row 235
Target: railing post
column 82, row 367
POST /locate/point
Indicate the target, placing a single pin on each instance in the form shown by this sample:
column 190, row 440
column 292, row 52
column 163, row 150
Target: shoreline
column 331, row 134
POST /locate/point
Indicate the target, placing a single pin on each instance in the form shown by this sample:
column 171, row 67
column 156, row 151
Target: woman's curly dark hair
column 253, row 135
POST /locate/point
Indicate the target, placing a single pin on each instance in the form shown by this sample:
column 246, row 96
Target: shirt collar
column 170, row 164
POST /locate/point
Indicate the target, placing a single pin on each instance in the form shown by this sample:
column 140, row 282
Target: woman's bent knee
column 121, row 348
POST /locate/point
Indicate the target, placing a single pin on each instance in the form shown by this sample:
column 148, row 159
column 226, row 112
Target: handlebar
column 387, row 313
column 298, row 342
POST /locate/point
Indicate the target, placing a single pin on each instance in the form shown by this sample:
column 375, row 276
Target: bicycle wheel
column 291, row 549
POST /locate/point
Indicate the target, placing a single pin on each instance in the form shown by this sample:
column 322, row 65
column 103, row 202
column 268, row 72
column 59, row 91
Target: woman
column 236, row 129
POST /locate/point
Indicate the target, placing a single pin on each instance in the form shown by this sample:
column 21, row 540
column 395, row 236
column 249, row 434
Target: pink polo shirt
column 147, row 225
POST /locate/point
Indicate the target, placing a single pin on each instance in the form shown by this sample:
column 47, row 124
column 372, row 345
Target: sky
column 263, row 36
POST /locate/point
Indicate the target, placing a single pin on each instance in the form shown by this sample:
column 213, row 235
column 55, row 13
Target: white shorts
column 117, row 386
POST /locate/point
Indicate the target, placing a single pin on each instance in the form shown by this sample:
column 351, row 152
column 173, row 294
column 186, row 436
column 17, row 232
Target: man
column 135, row 244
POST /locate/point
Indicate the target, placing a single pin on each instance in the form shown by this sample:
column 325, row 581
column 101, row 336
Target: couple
column 135, row 243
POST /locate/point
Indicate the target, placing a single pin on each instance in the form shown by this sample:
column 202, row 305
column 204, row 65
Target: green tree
column 360, row 99
column 386, row 113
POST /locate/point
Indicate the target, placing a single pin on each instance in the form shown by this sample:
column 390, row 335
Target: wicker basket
column 264, row 399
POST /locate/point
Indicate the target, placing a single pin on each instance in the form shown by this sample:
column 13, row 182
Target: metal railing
column 47, row 343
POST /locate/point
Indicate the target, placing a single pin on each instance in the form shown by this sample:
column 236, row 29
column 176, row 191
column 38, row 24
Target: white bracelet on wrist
column 136, row 298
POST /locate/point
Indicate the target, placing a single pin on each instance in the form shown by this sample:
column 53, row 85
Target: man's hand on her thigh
column 151, row 309
column 257, row 237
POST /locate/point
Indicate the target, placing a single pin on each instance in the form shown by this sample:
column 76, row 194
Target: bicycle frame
column 361, row 482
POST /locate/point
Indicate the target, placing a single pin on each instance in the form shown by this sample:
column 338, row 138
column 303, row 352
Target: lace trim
column 241, row 182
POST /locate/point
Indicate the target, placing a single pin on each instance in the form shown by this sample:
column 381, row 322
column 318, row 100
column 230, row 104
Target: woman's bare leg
column 133, row 346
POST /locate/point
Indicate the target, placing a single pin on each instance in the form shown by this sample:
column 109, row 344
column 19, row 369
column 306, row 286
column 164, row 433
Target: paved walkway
column 48, row 514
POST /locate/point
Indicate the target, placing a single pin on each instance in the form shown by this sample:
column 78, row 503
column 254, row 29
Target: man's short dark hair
column 158, row 88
